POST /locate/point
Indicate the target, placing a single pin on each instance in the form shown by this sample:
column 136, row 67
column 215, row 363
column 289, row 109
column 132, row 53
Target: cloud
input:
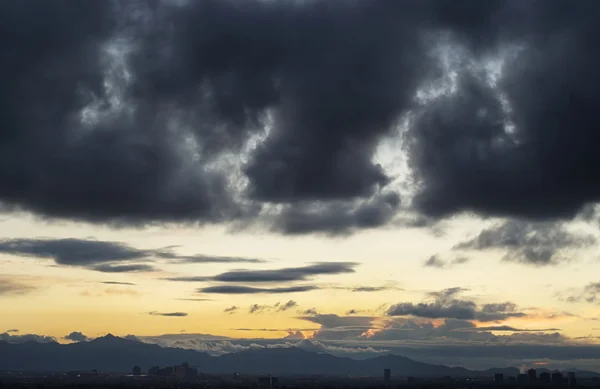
column 588, row 294
column 277, row 307
column 335, row 327
column 370, row 288
column 309, row 311
column 111, row 292
column 285, row 131
column 539, row 244
column 237, row 289
column 302, row 273
column 194, row 299
column 167, row 253
column 292, row 330
column 11, row 287
column 353, row 312
column 23, row 338
column 338, row 218
column 445, row 305
column 289, row 305
column 76, row 337
column 13, row 330
column 117, row 283
column 511, row 329
column 104, row 256
column 255, row 308
column 134, row 268
column 231, row 310
column 168, row 314
column 438, row 262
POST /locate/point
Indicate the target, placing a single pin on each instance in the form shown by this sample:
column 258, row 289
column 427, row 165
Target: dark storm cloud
column 540, row 243
column 168, row 314
column 136, row 112
column 547, row 165
column 239, row 289
column 445, row 304
column 338, row 218
column 302, row 273
column 76, row 337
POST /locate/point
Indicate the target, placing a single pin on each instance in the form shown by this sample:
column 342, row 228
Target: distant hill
column 114, row 354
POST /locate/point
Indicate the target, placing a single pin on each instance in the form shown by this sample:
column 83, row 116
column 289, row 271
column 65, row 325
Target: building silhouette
column 545, row 377
column 557, row 377
column 522, row 378
column 137, row 370
column 498, row 377
column 531, row 375
column 387, row 375
column 571, row 378
column 267, row 381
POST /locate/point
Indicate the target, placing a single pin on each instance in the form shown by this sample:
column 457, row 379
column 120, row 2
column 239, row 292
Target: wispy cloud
column 9, row 286
column 302, row 273
column 105, row 256
column 233, row 289
column 168, row 314
column 231, row 310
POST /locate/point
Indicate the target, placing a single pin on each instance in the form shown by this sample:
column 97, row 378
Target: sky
column 354, row 177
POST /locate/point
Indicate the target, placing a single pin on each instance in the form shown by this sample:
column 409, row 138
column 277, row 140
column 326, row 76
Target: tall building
column 545, row 377
column 267, row 381
column 181, row 372
column 137, row 370
column 498, row 377
column 557, row 377
column 571, row 378
column 387, row 375
column 522, row 378
column 531, row 375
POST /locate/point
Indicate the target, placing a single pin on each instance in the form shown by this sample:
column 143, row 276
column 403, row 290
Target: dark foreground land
column 119, row 381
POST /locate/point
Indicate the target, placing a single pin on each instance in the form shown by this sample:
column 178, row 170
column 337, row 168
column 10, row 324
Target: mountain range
column 114, row 354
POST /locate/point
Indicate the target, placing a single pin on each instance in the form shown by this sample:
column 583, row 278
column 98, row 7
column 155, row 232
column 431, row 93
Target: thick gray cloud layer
column 287, row 274
column 137, row 112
